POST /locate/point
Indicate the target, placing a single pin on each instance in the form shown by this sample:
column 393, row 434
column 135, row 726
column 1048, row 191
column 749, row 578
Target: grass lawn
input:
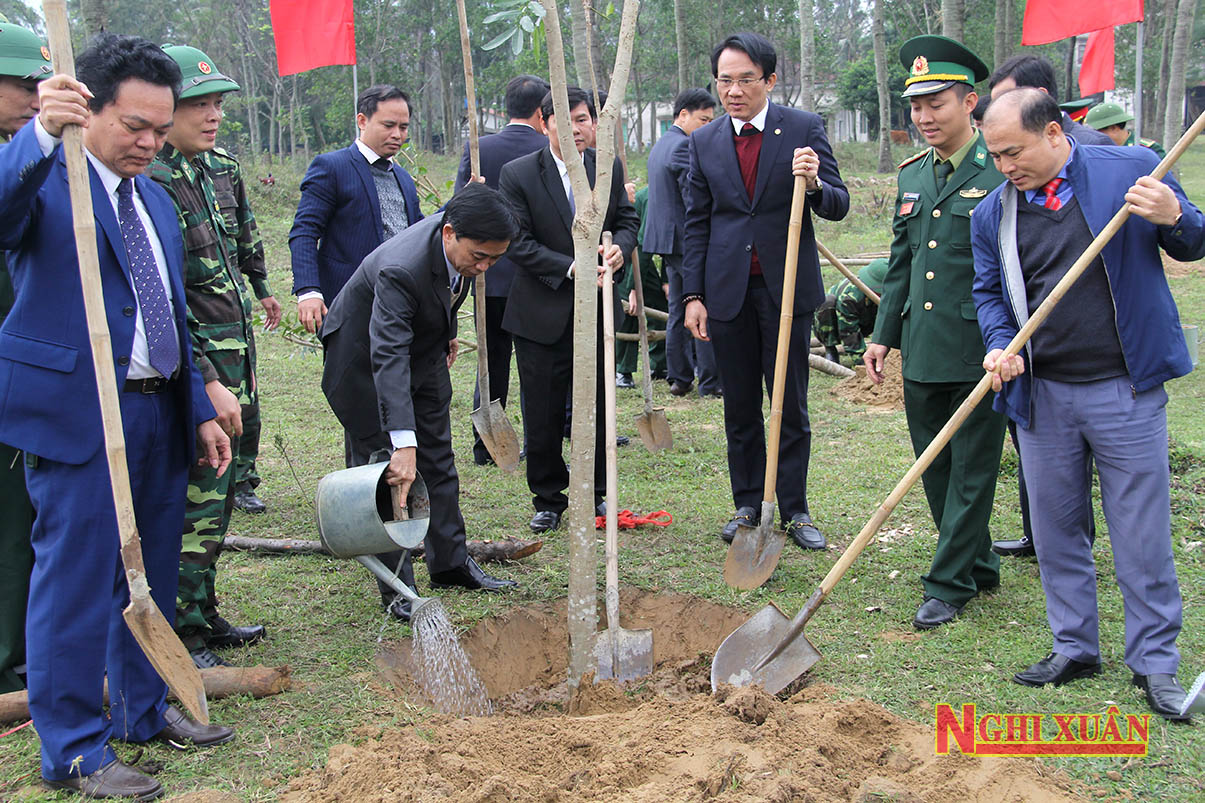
column 324, row 620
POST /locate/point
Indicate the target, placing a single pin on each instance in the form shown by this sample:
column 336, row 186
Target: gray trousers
column 1126, row 433
column 684, row 356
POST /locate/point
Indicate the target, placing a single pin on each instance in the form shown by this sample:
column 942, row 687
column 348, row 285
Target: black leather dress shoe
column 115, row 779
column 248, row 502
column 545, row 520
column 399, row 609
column 745, row 517
column 1164, row 695
column 832, row 355
column 658, row 375
column 1055, row 670
column 622, row 440
column 470, row 576
column 803, row 532
column 224, row 634
column 1020, row 548
column 206, row 658
column 182, row 731
column 679, row 388
column 483, row 459
column 934, row 613
column 624, row 381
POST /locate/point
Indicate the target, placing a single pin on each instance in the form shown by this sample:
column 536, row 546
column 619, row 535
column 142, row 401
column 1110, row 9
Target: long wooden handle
column 968, row 405
column 849, row 274
column 80, row 187
column 787, row 316
column 608, row 313
column 647, row 373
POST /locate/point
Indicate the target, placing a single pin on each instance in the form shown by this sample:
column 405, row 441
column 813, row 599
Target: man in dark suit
column 742, row 168
column 520, row 137
column 352, row 200
column 665, row 216
column 389, row 339
column 124, row 98
column 539, row 311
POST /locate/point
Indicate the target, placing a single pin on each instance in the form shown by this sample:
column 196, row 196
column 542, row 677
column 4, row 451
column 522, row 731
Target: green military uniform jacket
column 222, row 243
column 1148, row 143
column 926, row 309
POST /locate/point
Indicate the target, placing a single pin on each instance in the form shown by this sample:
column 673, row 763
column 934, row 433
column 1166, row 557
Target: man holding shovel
column 926, row 312
column 1091, row 378
column 124, row 99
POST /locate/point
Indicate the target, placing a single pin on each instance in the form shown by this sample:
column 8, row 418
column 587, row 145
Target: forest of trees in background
column 415, row 44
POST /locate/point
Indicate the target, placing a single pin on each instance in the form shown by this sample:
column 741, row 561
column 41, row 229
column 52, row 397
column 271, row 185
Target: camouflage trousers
column 207, row 517
column 246, row 477
column 831, row 331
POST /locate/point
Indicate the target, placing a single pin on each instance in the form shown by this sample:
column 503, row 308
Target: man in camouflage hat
column 1111, row 119
column 847, row 316
column 222, row 244
column 24, row 60
column 927, row 313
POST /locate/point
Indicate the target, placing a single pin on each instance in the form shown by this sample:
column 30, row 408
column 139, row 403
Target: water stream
column 442, row 668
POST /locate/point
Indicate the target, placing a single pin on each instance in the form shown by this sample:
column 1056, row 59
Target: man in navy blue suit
column 125, row 98
column 521, row 136
column 352, row 200
column 742, row 168
column 665, row 215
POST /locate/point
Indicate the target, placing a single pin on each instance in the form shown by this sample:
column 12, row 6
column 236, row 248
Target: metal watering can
column 358, row 519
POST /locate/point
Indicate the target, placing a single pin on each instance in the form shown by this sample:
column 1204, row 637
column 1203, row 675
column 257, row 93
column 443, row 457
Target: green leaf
column 526, row 24
column 516, row 43
column 537, row 8
column 497, row 16
column 501, row 39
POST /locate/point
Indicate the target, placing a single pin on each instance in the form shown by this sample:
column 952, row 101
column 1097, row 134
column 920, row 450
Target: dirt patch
column 666, row 738
column 1179, row 270
column 886, row 397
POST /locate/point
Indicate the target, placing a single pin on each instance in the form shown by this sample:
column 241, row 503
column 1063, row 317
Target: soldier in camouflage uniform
column 222, row 245
column 23, row 62
column 1111, row 119
column 847, row 316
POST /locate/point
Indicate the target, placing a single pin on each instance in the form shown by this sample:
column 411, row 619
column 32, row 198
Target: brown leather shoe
column 112, row 780
column 181, row 731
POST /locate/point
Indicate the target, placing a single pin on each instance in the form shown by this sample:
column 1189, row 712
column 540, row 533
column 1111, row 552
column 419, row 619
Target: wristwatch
column 819, row 186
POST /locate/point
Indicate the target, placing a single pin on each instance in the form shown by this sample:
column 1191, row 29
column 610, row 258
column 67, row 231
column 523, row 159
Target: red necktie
column 1051, row 188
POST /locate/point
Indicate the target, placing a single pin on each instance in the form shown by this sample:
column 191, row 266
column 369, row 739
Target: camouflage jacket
column 222, row 244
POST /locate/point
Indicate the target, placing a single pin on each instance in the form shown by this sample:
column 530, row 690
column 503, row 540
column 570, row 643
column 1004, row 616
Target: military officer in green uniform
column 222, row 246
column 847, row 316
column 1111, row 119
column 927, row 313
column 24, row 60
column 627, row 352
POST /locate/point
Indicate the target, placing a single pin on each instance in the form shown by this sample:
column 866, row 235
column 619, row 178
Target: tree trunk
column 1173, row 120
column 1002, row 43
column 953, row 13
column 807, row 55
column 680, row 37
column 1165, row 57
column 1069, row 80
column 96, row 17
column 293, row 119
column 880, row 78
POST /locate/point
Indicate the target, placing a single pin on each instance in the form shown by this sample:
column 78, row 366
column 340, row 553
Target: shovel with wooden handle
column 619, row 654
column 755, row 550
column 651, row 422
column 147, row 623
column 849, row 274
column 490, row 417
column 772, row 650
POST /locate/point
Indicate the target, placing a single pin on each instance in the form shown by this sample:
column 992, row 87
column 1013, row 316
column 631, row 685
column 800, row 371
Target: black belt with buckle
column 152, row 384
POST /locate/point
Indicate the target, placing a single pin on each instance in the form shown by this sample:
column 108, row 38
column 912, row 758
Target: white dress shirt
column 758, row 121
column 140, row 363
column 564, row 172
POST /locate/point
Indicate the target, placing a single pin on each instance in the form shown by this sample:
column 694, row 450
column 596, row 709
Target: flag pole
column 355, row 96
column 1138, row 89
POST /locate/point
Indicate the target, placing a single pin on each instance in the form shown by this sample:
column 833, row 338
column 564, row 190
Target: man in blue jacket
column 1090, row 381
column 352, row 200
column 124, row 98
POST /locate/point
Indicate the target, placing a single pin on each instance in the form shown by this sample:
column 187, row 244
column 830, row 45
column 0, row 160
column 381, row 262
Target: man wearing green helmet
column 1111, row 119
column 24, row 61
column 222, row 245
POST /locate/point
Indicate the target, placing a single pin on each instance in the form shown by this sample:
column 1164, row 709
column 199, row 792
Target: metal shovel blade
column 754, row 553
column 654, row 429
column 1194, row 701
column 497, row 434
column 736, row 661
column 167, row 654
column 623, row 655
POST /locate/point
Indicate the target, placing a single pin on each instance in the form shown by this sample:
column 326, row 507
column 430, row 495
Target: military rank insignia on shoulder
column 912, row 158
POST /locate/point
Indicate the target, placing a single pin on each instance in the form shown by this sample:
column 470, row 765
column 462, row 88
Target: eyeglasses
column 743, row 83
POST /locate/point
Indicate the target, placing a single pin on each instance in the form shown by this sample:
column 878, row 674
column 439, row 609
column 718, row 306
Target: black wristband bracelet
column 686, row 299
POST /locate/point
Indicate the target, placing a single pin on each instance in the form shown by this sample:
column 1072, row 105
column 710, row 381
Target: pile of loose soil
column 664, row 739
column 887, row 396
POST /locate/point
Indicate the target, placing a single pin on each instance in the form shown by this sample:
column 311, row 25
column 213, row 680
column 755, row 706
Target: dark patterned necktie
column 162, row 344
column 943, row 170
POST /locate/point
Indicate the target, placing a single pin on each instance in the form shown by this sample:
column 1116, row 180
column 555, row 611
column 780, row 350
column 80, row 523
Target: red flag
column 1052, row 20
column 312, row 33
column 1096, row 71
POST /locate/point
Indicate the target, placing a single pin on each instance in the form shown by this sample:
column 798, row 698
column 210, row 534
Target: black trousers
column 499, row 346
column 546, row 375
column 744, row 354
column 445, row 546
